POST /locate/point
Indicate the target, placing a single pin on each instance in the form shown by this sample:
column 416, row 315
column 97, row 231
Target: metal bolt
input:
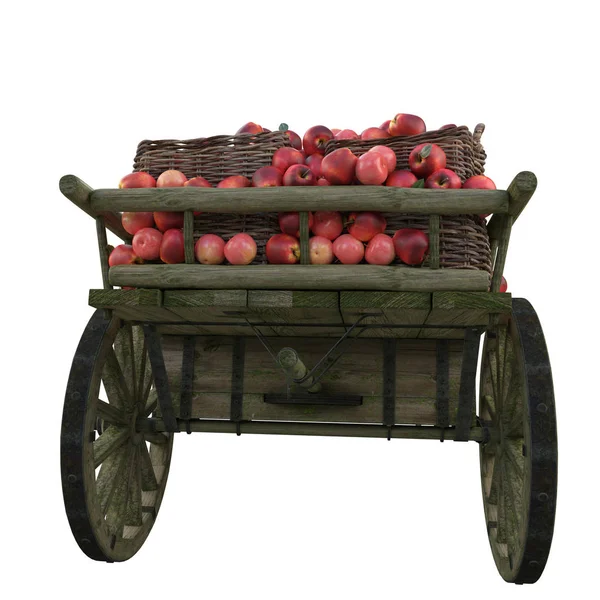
column 534, row 563
column 75, row 396
column 71, row 478
column 85, row 541
column 542, row 497
column 541, row 407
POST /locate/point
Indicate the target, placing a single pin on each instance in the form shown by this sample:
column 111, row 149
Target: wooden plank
column 296, row 306
column 115, row 298
column 286, row 199
column 299, row 277
column 79, row 193
column 464, row 309
column 357, row 372
column 388, row 308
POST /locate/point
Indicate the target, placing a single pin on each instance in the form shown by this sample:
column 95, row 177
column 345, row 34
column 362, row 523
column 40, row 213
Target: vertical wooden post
column 304, row 234
column 434, row 241
column 188, row 236
column 501, row 255
column 103, row 250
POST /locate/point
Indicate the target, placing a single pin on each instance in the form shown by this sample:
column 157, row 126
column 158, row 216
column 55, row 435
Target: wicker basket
column 213, row 158
column 464, row 241
column 464, row 152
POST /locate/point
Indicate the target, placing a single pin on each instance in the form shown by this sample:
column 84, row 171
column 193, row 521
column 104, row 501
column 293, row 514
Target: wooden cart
column 275, row 349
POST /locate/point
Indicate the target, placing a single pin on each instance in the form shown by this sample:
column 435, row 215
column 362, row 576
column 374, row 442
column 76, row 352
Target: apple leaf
column 283, row 127
column 420, row 183
column 426, row 151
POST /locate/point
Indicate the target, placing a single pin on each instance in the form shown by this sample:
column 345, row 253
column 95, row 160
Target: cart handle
column 79, row 193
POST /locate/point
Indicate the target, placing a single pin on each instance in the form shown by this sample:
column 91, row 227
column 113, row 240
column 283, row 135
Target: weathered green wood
column 284, row 199
column 519, row 191
column 328, row 429
column 502, row 252
column 464, row 309
column 357, row 372
column 298, row 277
column 387, row 308
column 115, row 298
column 304, row 235
column 434, row 241
column 300, row 307
column 188, row 236
column 103, row 251
column 79, row 192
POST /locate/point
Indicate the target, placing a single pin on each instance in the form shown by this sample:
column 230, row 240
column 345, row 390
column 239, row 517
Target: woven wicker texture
column 464, row 152
column 213, row 158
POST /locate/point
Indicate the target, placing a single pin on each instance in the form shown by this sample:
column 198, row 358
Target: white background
column 292, row 517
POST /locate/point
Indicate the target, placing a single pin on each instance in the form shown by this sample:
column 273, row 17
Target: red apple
column 139, row 179
column 327, row 224
column 443, row 179
column 209, row 249
column 146, row 243
column 380, row 250
column 403, row 124
column 411, row 245
column 234, row 181
column 335, row 131
column 292, row 136
column 172, row 249
column 323, row 181
column 314, row 163
column 385, row 125
column 374, row 133
column 321, row 250
column 249, row 128
column 299, row 175
column 371, row 169
column 134, row 221
column 348, row 250
column 339, row 166
column 240, row 249
column 283, row 249
column 365, row 225
column 503, row 284
column 123, row 255
column 283, row 158
column 346, row 134
column 171, row 178
column 197, row 182
column 424, row 159
column 267, row 177
column 168, row 220
column 401, row 178
column 388, row 154
column 316, row 138
column 479, row 182
column 289, row 222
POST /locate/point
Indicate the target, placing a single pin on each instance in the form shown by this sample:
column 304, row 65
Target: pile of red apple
column 158, row 235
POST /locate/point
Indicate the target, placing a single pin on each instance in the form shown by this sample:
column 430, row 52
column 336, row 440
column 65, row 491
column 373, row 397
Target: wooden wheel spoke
column 502, row 525
column 492, row 366
column 488, row 407
column 144, row 369
column 512, row 524
column 507, row 370
column 131, row 372
column 108, row 477
column 494, row 482
column 148, row 477
column 109, row 413
column 110, row 441
column 125, row 354
column 133, row 513
column 114, row 382
column 117, row 505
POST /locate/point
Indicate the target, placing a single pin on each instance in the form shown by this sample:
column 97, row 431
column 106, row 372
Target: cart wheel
column 519, row 463
column 113, row 477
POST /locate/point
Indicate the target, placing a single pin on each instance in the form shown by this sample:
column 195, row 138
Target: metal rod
column 422, row 432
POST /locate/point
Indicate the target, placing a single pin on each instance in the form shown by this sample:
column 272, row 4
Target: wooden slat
column 388, row 308
column 284, row 199
column 115, row 298
column 464, row 309
column 79, row 193
column 434, row 241
column 299, row 277
column 301, row 307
